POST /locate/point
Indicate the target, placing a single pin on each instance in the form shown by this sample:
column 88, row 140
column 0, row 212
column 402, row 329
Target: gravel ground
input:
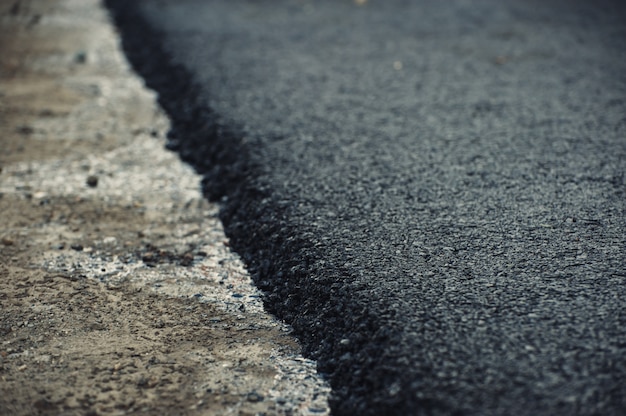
column 118, row 289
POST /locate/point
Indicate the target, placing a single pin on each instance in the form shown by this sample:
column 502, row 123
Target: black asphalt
column 431, row 192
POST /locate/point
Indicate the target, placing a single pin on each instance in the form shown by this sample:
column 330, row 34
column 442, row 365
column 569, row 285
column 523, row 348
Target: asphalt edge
column 297, row 290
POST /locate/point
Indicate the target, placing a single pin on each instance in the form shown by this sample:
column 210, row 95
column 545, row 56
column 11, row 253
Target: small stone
column 80, row 57
column 255, row 397
column 142, row 382
column 25, row 130
column 43, row 404
column 92, row 181
column 187, row 259
column 173, row 145
column 7, row 241
column 77, row 247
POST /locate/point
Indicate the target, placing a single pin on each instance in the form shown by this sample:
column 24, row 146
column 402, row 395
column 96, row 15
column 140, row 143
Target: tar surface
column 431, row 193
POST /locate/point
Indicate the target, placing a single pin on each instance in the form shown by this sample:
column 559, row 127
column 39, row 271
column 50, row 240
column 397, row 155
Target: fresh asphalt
column 431, row 192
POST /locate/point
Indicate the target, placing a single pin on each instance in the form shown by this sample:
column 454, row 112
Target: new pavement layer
column 432, row 193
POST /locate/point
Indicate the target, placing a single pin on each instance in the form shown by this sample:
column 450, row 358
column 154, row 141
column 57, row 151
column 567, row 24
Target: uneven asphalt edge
column 288, row 263
column 216, row 152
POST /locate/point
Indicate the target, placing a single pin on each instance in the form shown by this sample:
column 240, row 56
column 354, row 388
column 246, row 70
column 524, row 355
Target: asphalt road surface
column 432, row 193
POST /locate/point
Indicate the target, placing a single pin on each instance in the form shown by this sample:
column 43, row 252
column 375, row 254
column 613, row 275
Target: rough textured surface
column 431, row 193
column 118, row 292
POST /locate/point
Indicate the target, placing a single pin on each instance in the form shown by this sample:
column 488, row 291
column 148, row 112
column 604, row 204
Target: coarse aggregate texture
column 431, row 193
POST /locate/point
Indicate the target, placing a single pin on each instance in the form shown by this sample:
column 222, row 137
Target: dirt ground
column 118, row 292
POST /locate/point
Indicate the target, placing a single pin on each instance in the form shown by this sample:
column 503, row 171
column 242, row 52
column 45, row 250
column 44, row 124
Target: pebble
column 80, row 57
column 92, row 181
column 255, row 397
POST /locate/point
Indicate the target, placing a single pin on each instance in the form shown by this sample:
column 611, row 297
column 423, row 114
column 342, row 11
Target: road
column 430, row 193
